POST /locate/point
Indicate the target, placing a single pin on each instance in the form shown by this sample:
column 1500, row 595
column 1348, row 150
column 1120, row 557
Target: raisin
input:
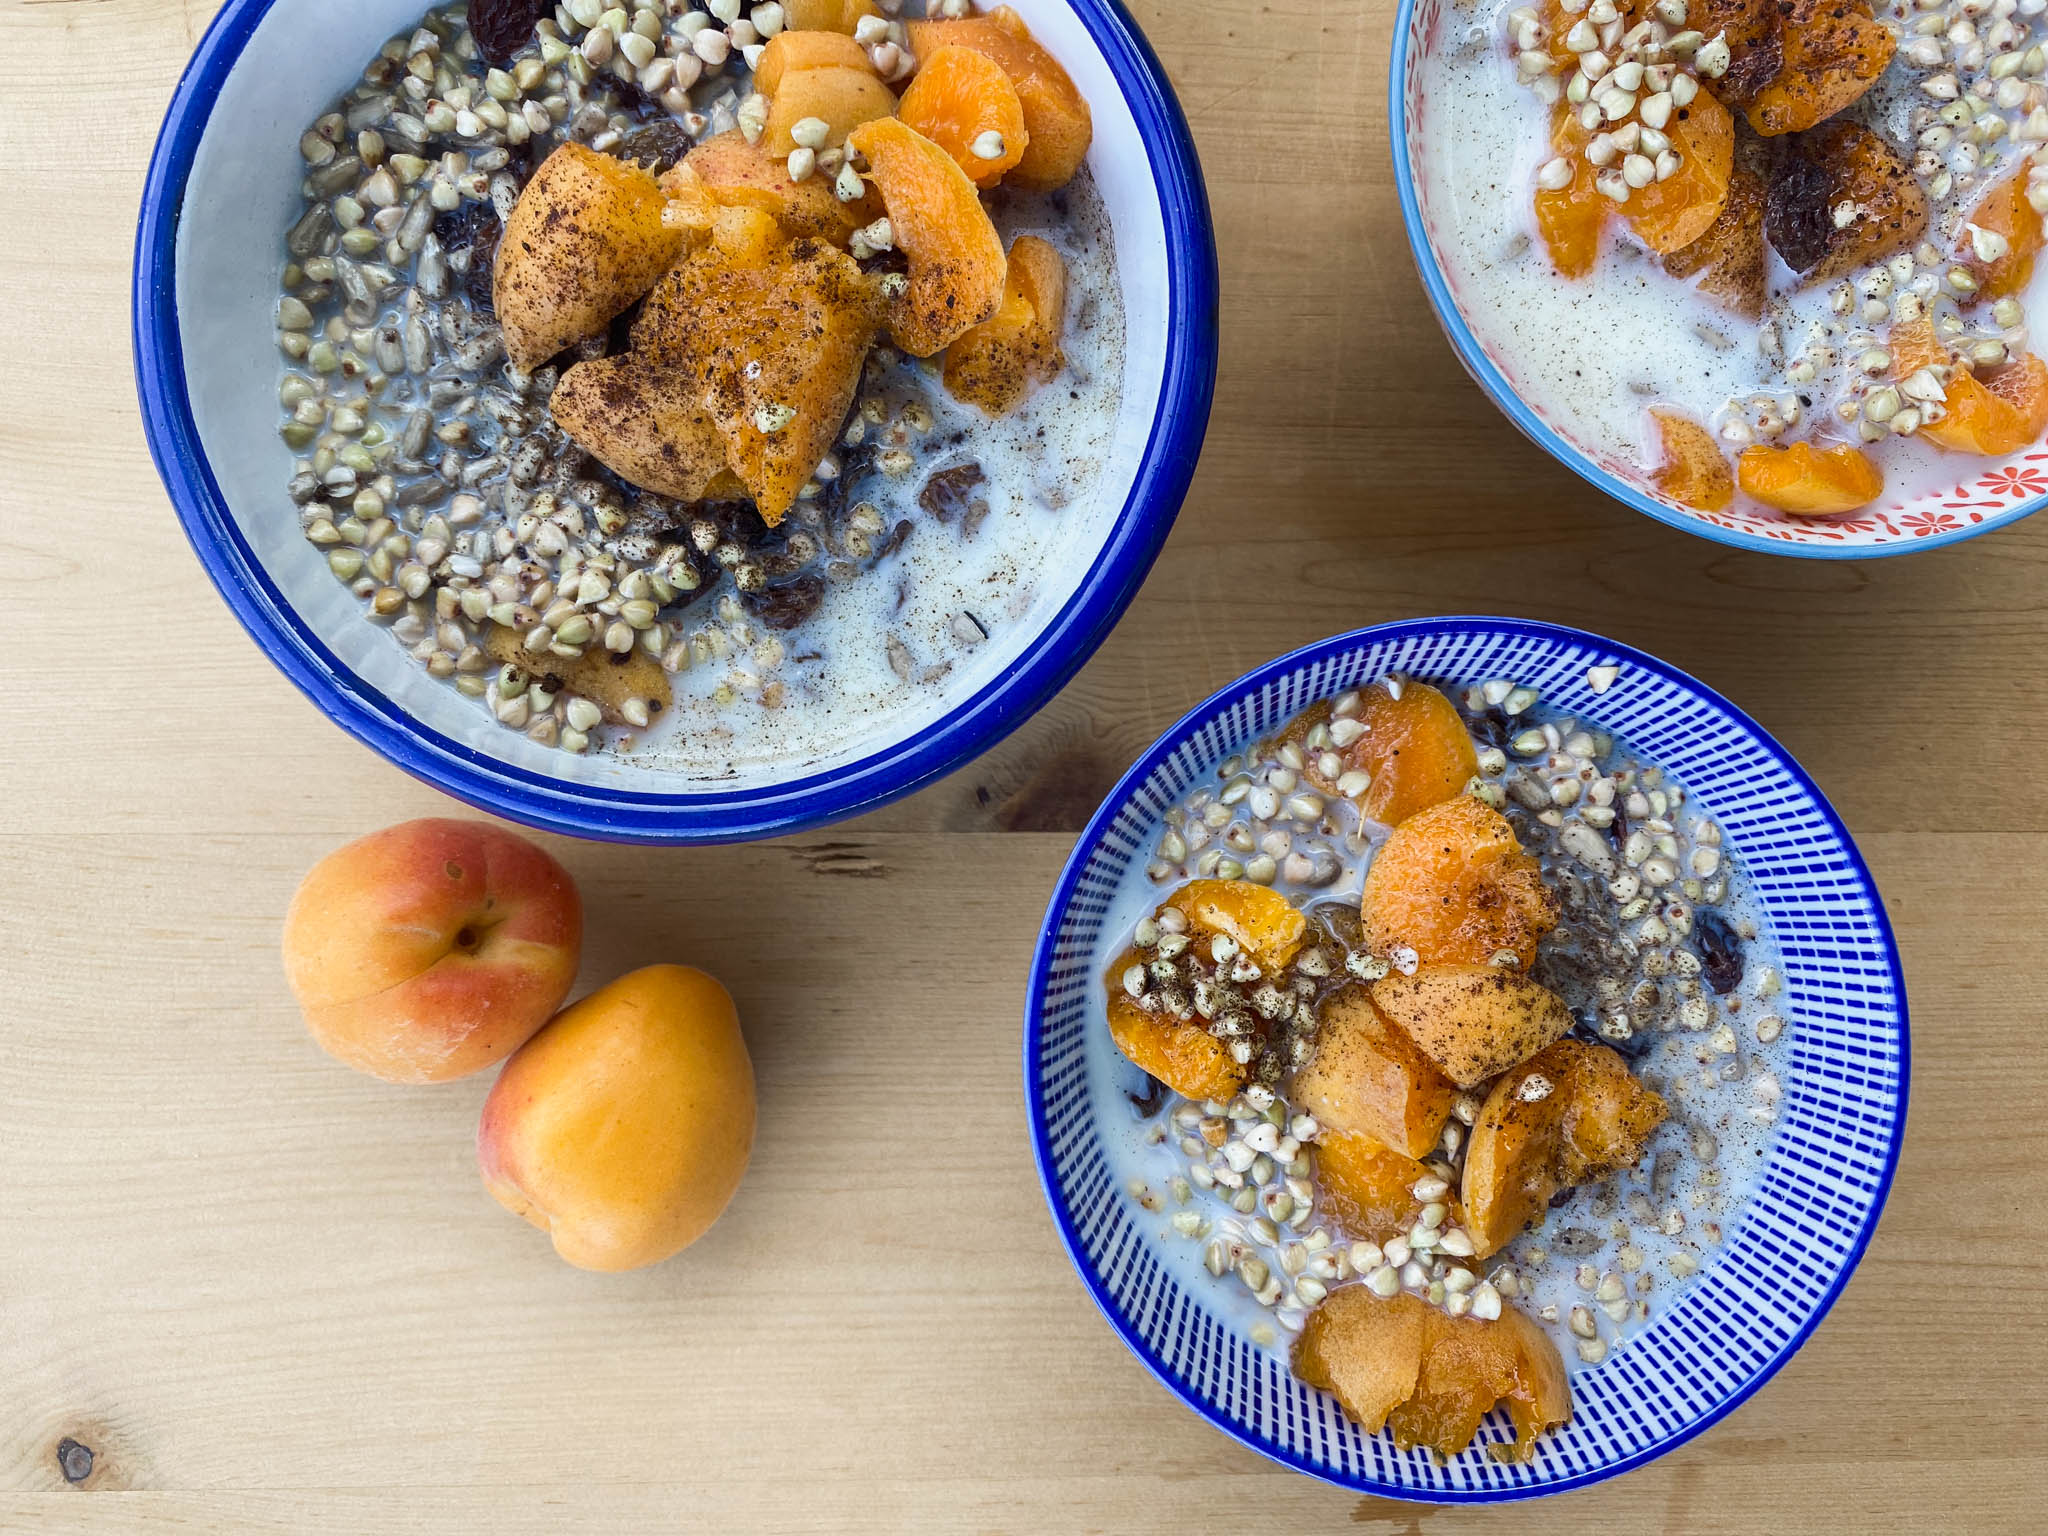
column 483, row 264
column 632, row 99
column 457, row 229
column 1721, row 962
column 786, row 604
column 891, row 544
column 1798, row 213
column 946, row 495
column 658, row 146
column 503, row 27
column 1148, row 1103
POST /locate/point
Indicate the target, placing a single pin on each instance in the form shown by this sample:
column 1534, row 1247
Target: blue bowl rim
column 1503, row 395
column 615, row 814
column 1098, row 826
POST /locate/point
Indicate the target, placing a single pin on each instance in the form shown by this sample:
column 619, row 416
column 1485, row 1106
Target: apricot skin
column 624, row 1127
column 432, row 949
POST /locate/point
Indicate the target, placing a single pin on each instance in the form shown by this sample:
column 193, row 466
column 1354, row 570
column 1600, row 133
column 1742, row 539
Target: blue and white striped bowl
column 1787, row 1253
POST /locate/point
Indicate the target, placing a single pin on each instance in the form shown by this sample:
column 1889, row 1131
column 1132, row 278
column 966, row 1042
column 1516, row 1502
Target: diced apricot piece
column 1368, row 1189
column 1473, row 1021
column 771, row 334
column 1452, row 884
column 1669, row 215
column 643, row 422
column 1825, row 55
column 1694, row 472
column 842, row 99
column 826, row 15
column 790, row 50
column 1729, row 257
column 1808, row 481
column 1570, row 1114
column 1996, row 412
column 737, row 174
column 957, row 265
column 958, row 98
column 1570, row 218
column 1001, row 361
column 1181, row 1053
column 1258, row 917
column 1056, row 119
column 1838, row 164
column 1413, row 746
column 1369, row 1078
column 1406, row 1366
column 2006, row 214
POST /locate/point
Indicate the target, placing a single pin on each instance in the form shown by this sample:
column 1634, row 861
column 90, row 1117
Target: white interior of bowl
column 243, row 195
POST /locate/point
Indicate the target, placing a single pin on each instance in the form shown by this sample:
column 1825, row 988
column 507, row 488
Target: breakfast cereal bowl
column 1579, row 364
column 1052, row 542
column 1752, row 1000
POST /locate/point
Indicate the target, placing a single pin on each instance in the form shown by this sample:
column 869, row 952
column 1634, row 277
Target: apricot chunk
column 791, row 49
column 2005, row 214
column 1369, row 1078
column 585, row 240
column 1694, row 472
column 1570, row 1114
column 998, row 364
column 1056, row 119
column 1369, row 1189
column 770, row 336
column 1258, row 917
column 736, row 174
column 1808, row 481
column 643, row 422
column 1452, row 884
column 826, row 15
column 1795, row 63
column 957, row 265
column 1403, row 1365
column 1998, row 411
column 1839, row 199
column 1569, row 218
column 1729, row 257
column 958, row 98
column 840, row 98
column 1473, row 1021
column 1671, row 214
column 1413, row 746
column 1181, row 1053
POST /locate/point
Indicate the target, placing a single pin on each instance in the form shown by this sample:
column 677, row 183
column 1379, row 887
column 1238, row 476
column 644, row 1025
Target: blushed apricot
column 1808, row 481
column 957, row 265
column 842, row 99
column 1452, row 884
column 959, row 97
column 1055, row 116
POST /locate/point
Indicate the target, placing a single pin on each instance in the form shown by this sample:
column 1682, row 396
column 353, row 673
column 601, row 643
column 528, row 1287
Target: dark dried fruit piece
column 948, row 492
column 483, row 263
column 786, row 604
column 1721, row 961
column 657, row 146
column 1840, row 199
column 503, row 27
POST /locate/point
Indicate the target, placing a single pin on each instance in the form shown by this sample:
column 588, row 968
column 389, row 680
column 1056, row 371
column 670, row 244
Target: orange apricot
column 735, row 173
column 1828, row 52
column 1669, row 215
column 957, row 264
column 958, row 98
column 1694, row 472
column 1414, row 746
column 1181, row 1053
column 1996, row 412
column 1570, row 218
column 2006, row 214
column 840, row 98
column 1055, row 117
column 1369, row 1079
column 826, row 15
column 1369, row 1189
column 1808, row 481
column 1453, row 884
column 790, row 50
column 1001, row 361
column 1258, row 917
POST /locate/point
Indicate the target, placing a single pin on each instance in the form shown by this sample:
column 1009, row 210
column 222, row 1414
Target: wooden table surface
column 270, row 1295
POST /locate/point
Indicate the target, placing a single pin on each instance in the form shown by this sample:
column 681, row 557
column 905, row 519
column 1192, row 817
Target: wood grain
column 270, row 1296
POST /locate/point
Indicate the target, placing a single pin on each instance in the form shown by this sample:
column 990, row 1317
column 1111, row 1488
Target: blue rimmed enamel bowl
column 1986, row 493
column 1786, row 1253
column 222, row 189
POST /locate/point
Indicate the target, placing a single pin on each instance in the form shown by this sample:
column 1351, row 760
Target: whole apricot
column 623, row 1128
column 432, row 949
